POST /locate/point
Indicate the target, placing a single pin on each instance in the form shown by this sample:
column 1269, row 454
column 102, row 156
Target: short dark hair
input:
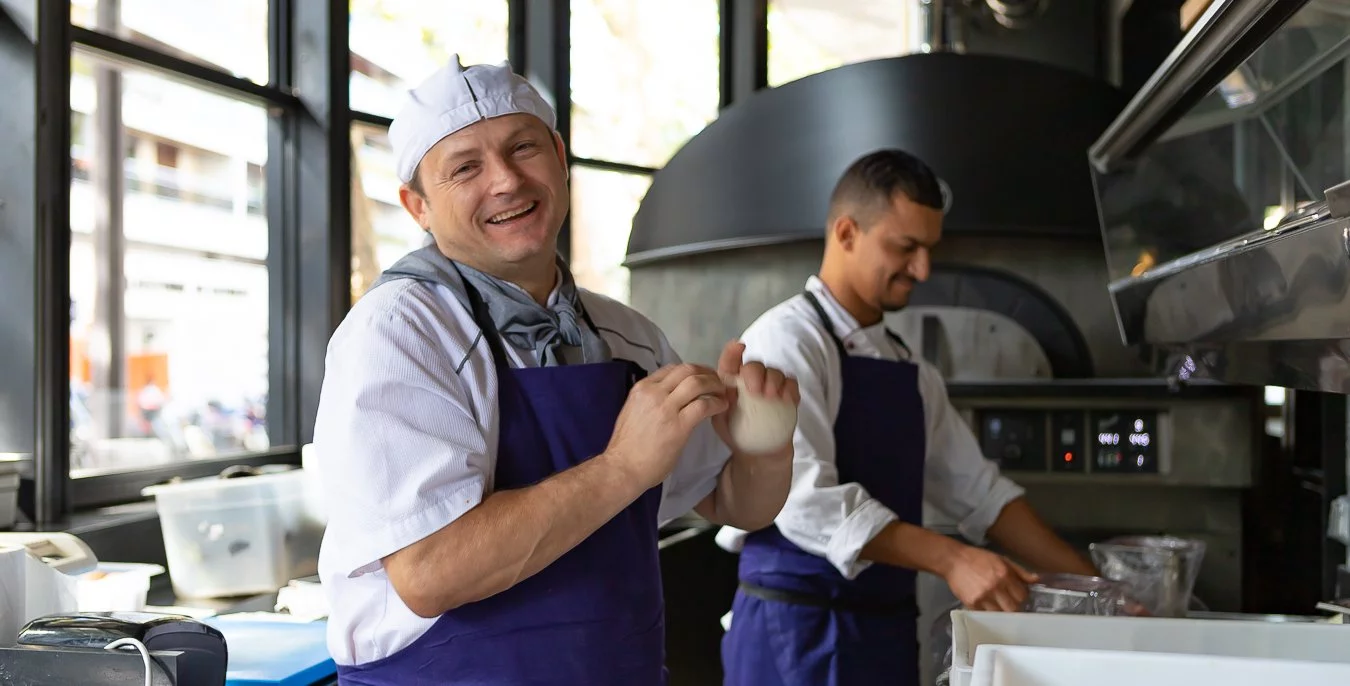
column 875, row 178
column 415, row 183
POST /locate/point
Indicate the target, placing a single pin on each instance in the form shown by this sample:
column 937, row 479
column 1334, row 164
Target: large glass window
column 397, row 43
column 644, row 77
column 382, row 231
column 603, row 205
column 230, row 35
column 169, row 280
column 810, row 36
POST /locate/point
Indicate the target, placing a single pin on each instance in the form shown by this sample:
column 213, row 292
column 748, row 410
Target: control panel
column 1070, row 441
column 1015, row 439
column 1125, row 442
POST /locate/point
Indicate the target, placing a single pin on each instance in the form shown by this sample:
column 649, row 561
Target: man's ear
column 562, row 154
column 416, row 204
column 844, row 229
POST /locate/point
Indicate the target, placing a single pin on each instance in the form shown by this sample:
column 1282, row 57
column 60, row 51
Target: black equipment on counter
column 203, row 651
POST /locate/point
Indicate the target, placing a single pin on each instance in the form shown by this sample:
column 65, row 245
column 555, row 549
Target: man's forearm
column 750, row 492
column 901, row 544
column 509, row 537
column 1023, row 534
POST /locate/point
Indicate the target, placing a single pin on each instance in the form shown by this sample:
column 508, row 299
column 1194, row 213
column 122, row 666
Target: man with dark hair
column 827, row 594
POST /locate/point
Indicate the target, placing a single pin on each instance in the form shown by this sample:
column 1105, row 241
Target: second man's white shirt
column 406, row 442
column 834, row 520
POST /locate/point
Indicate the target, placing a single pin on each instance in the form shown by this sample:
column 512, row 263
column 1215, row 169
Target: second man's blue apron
column 595, row 617
column 796, row 621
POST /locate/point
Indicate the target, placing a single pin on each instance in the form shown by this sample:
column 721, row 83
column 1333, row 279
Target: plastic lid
column 215, row 483
column 1153, row 542
column 1076, row 582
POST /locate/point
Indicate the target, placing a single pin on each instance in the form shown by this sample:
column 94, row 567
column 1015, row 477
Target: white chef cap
column 453, row 98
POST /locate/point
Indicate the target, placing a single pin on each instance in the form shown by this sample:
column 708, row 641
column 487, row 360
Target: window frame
column 301, row 314
column 310, row 114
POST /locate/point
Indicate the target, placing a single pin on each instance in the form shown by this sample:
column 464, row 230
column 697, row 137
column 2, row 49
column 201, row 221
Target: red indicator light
column 1068, row 457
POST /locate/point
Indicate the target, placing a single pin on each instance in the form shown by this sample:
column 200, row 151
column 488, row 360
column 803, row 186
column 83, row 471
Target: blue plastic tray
column 275, row 653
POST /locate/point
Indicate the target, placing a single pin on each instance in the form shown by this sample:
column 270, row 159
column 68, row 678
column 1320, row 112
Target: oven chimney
column 942, row 26
column 942, row 23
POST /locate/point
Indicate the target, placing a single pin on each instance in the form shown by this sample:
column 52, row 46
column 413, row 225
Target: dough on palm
column 758, row 424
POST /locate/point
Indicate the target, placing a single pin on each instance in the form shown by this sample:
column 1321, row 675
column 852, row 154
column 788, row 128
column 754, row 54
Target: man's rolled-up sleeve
column 400, row 453
column 958, row 479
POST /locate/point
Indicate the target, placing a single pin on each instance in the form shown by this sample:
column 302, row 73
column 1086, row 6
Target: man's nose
column 920, row 266
column 503, row 176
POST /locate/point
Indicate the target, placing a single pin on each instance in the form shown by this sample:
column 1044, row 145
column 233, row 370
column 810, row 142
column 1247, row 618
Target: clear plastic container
column 1075, row 594
column 236, row 536
column 1159, row 571
column 115, row 587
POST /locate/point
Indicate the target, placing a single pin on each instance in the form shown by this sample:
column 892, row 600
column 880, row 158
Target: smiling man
column 499, row 446
column 827, row 594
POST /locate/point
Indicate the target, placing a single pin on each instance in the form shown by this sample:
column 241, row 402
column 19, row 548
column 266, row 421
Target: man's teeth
column 506, row 216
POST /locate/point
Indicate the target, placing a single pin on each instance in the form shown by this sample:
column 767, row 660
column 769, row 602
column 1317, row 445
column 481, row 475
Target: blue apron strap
column 479, row 311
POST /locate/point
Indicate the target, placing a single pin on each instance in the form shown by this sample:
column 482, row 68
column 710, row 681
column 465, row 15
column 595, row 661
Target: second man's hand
column 982, row 580
column 760, row 381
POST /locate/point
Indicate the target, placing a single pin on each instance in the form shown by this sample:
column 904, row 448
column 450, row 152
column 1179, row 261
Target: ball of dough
column 758, row 424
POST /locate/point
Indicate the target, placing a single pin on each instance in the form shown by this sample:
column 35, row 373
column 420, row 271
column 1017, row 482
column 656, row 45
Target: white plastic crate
column 1218, row 637
column 997, row 665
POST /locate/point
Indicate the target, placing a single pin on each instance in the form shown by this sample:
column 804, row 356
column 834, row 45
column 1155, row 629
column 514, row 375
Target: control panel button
column 1015, row 439
column 1069, row 450
column 1125, row 441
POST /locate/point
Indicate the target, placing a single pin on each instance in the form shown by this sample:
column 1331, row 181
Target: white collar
column 846, row 326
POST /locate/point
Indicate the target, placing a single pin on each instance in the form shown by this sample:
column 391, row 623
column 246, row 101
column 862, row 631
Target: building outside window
column 644, row 81
column 810, row 36
column 169, row 280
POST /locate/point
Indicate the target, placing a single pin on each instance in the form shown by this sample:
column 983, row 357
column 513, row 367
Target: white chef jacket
column 834, row 520
column 406, row 437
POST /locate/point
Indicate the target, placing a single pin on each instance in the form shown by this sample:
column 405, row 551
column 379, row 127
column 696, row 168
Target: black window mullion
column 744, row 49
column 372, row 119
column 127, row 53
column 52, row 146
column 322, row 148
column 282, row 223
column 19, row 236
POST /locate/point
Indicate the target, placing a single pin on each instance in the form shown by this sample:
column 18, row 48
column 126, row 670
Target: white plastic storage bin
column 239, row 536
column 1316, row 642
column 997, row 665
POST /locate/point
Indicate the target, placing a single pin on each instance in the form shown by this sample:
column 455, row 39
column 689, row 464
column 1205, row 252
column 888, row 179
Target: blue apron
column 796, row 621
column 595, row 617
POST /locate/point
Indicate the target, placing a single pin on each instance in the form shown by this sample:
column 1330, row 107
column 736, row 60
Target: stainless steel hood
column 1226, row 237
